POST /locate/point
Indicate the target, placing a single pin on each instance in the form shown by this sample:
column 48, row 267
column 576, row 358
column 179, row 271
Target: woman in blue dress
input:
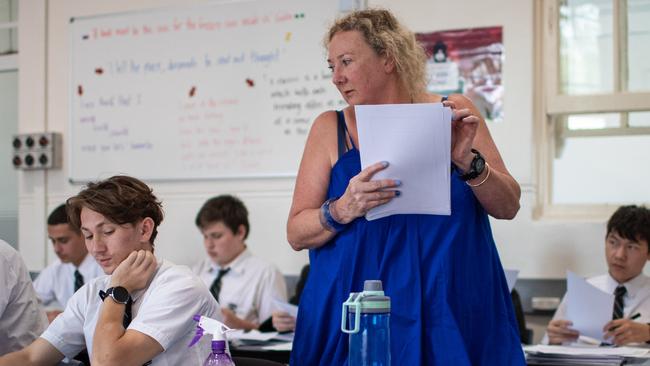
column 450, row 301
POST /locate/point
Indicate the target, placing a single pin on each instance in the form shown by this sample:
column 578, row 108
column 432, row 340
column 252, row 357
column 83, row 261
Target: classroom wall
column 539, row 249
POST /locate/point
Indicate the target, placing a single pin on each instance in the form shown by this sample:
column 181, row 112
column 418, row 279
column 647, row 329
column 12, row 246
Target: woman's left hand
column 464, row 125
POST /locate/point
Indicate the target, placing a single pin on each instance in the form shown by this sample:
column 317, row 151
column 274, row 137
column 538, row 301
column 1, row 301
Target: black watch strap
column 476, row 167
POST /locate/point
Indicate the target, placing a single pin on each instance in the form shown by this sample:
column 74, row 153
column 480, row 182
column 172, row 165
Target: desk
column 282, row 355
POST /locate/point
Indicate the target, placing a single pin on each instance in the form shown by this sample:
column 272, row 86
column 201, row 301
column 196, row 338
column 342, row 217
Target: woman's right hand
column 559, row 331
column 362, row 194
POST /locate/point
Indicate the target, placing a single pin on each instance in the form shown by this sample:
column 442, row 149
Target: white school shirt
column 22, row 319
column 249, row 288
column 55, row 283
column 636, row 299
column 164, row 311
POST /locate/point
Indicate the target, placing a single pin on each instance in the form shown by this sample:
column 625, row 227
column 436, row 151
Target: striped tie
column 78, row 280
column 215, row 288
column 619, row 304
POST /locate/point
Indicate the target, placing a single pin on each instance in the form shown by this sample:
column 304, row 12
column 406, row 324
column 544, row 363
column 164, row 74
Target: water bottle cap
column 372, row 285
column 372, row 299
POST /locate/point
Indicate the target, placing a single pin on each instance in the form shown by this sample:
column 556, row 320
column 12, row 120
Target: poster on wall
column 467, row 61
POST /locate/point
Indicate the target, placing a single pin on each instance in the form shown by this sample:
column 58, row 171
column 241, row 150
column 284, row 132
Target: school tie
column 78, row 280
column 216, row 285
column 618, row 302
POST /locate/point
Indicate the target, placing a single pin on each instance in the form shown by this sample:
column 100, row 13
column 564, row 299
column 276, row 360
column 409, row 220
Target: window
column 9, row 120
column 593, row 66
column 8, row 27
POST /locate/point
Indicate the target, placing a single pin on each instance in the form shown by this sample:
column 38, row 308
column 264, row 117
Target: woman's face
column 359, row 74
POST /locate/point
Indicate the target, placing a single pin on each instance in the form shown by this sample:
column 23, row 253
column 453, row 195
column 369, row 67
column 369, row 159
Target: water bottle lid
column 372, row 285
column 373, row 299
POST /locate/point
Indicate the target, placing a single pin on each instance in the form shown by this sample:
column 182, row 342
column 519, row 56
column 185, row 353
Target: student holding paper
column 626, row 252
column 450, row 303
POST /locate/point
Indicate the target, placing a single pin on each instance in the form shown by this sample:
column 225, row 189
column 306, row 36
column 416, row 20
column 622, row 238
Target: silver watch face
column 479, row 165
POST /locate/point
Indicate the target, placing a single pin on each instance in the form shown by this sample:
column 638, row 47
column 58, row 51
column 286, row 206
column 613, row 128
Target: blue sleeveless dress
column 450, row 300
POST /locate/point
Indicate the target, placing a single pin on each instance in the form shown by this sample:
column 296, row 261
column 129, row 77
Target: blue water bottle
column 366, row 317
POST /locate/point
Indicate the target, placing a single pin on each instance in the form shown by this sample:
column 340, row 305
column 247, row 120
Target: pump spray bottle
column 218, row 356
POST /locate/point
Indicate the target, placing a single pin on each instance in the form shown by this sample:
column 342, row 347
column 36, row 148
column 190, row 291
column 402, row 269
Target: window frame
column 9, row 61
column 551, row 107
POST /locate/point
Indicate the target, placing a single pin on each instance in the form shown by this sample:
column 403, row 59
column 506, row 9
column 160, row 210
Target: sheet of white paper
column 511, row 278
column 291, row 309
column 415, row 139
column 588, row 307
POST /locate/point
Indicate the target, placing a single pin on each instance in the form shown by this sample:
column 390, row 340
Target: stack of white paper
column 415, row 139
column 562, row 355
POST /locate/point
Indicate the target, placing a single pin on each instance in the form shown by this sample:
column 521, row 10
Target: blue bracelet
column 330, row 224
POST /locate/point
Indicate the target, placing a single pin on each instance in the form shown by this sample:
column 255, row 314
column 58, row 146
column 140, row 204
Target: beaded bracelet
column 487, row 166
column 326, row 218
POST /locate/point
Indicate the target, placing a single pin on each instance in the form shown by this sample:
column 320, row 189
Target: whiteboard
column 217, row 90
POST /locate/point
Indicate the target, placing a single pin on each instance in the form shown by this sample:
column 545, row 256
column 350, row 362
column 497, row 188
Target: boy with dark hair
column 626, row 252
column 57, row 282
column 244, row 285
column 143, row 311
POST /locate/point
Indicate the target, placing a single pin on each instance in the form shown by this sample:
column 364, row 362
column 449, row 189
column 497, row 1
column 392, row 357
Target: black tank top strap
column 340, row 132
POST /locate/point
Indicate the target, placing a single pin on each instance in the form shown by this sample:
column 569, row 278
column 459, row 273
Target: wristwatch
column 119, row 294
column 476, row 167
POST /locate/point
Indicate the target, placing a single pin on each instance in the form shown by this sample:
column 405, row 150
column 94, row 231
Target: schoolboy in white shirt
column 143, row 311
column 61, row 279
column 21, row 317
column 626, row 252
column 244, row 284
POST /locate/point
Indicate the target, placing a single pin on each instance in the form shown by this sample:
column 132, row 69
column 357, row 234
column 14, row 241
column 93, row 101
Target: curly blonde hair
column 386, row 36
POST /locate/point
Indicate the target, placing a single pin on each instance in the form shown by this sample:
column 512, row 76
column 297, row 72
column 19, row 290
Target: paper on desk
column 415, row 139
column 282, row 346
column 280, row 305
column 588, row 307
column 252, row 335
column 511, row 278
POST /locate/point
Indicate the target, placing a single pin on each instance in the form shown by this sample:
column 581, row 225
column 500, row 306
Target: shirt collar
column 86, row 264
column 237, row 265
column 632, row 286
